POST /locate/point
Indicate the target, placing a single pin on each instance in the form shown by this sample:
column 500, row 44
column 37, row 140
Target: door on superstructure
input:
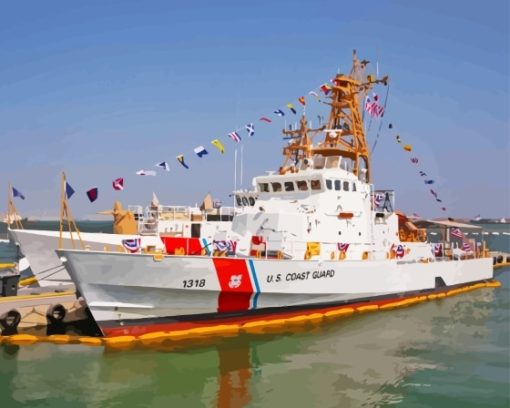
column 195, row 230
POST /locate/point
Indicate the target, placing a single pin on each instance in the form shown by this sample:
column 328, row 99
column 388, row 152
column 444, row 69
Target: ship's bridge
column 320, row 199
column 309, row 176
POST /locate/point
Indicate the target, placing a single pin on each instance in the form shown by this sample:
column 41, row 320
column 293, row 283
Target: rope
column 381, row 122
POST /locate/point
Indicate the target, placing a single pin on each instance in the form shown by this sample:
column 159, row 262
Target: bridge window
column 332, row 162
column 346, row 186
column 277, row 187
column 315, row 184
column 337, row 185
column 289, row 186
column 353, row 186
column 264, row 187
column 319, row 162
column 252, row 201
column 302, row 185
column 329, row 184
column 238, row 201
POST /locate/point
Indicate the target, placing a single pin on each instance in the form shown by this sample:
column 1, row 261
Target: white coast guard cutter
column 317, row 236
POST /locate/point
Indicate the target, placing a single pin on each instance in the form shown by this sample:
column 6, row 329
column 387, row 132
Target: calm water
column 448, row 353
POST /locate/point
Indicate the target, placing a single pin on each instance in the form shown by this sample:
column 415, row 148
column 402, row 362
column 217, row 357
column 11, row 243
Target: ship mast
column 344, row 133
column 301, row 144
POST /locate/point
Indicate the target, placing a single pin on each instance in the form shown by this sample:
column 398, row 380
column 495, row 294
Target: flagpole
column 66, row 208
column 241, row 176
column 66, row 212
column 12, row 211
column 60, row 226
column 9, row 189
column 9, row 205
column 235, row 173
column 377, row 64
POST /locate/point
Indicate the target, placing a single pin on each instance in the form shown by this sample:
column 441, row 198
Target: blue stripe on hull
column 256, row 282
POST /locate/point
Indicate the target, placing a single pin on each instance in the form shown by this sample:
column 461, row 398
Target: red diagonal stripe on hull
column 235, row 283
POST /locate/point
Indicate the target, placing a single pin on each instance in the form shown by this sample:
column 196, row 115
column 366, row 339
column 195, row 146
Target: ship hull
column 136, row 294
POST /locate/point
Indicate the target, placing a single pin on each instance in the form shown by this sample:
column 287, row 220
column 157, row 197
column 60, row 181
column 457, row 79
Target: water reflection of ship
column 235, row 372
column 359, row 361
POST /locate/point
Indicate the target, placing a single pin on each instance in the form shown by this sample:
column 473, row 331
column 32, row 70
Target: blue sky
column 103, row 89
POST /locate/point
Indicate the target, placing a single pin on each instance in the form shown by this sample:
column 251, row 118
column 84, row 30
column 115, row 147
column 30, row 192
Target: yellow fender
column 333, row 314
column 254, row 327
column 367, row 308
column 90, row 341
column 61, row 339
column 21, row 339
column 314, row 318
column 389, row 306
column 263, row 326
column 149, row 339
column 222, row 329
column 7, row 265
column 27, row 281
column 120, row 341
column 296, row 321
column 178, row 335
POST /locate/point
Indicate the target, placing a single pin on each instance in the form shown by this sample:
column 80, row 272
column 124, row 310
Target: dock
column 500, row 259
column 41, row 310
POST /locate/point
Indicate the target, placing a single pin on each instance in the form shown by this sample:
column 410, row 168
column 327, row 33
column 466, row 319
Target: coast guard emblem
column 235, row 281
